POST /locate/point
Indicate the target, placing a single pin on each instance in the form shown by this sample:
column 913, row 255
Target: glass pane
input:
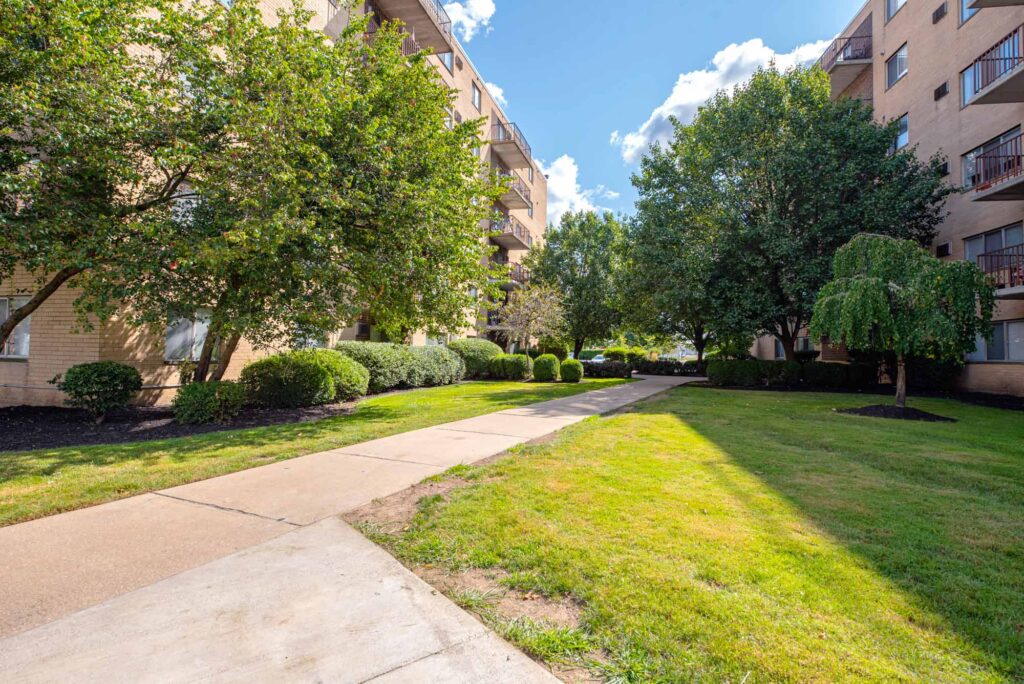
column 19, row 339
column 200, row 328
column 1014, row 235
column 1015, row 340
column 980, row 352
column 973, row 249
column 178, row 340
column 780, row 352
column 997, row 348
column 994, row 241
column 967, row 86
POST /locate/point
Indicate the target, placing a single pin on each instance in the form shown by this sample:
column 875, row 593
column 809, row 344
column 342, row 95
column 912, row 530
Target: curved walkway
column 252, row 576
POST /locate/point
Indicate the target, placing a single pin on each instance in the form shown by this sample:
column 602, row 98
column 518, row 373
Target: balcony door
column 1008, row 236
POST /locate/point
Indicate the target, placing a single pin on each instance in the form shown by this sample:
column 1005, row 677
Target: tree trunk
column 226, row 352
column 901, row 382
column 577, row 348
column 205, row 357
column 20, row 314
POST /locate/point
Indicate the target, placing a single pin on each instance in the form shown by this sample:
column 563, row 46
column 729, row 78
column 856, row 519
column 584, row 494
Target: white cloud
column 497, row 92
column 730, row 67
column 564, row 190
column 470, row 16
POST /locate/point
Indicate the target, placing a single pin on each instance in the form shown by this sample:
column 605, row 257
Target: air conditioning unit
column 942, row 91
column 944, row 250
column 941, row 12
column 944, row 169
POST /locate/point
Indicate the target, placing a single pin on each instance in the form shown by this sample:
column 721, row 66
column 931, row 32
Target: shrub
column 99, row 387
column 546, row 368
column 616, row 354
column 589, row 354
column 608, row 369
column 827, row 375
column 558, row 349
column 806, row 356
column 209, row 402
column 512, row 367
column 780, row 373
column 293, row 380
column 477, row 354
column 390, row 365
column 571, row 371
column 932, row 375
column 747, row 373
column 351, row 380
column 435, row 366
column 721, row 372
column 669, row 367
column 861, row 375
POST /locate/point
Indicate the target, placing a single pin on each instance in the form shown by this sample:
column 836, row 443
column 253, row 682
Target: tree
column 780, row 177
column 533, row 312
column 579, row 259
column 891, row 295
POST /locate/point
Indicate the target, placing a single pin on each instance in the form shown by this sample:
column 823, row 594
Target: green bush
column 351, row 380
column 862, row 375
column 546, row 368
column 825, row 375
column 477, row 354
column 391, row 365
column 806, row 356
column 589, row 354
column 669, row 367
column 558, row 349
column 435, row 366
column 616, row 354
column 721, row 372
column 512, row 367
column 293, row 380
column 608, row 369
column 747, row 373
column 100, row 387
column 780, row 373
column 209, row 402
column 932, row 375
column 571, row 371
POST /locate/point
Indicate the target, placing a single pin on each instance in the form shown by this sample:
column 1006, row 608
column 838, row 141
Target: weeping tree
column 890, row 295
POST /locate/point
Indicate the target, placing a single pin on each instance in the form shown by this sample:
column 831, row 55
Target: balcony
column 997, row 77
column 1006, row 268
column 847, row 58
column 517, row 196
column 983, row 4
column 424, row 19
column 511, row 234
column 518, row 275
column 409, row 45
column 509, row 143
column 999, row 173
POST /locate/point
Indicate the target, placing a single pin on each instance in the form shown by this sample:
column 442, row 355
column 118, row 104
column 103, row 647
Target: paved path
column 253, row 577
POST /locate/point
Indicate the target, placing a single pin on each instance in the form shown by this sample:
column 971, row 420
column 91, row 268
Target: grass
column 751, row 536
column 39, row 483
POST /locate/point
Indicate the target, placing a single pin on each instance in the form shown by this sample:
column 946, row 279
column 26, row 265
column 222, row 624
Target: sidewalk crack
column 396, row 668
column 227, row 509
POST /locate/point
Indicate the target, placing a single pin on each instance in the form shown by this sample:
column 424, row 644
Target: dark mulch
column 46, row 427
column 896, row 413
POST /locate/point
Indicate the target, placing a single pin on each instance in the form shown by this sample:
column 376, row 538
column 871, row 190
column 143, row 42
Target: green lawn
column 760, row 537
column 38, row 483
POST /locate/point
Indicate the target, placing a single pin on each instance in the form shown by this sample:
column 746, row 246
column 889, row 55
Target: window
column 530, row 173
column 993, row 241
column 804, row 344
column 448, row 59
column 477, row 97
column 896, row 67
column 780, row 351
column 529, row 211
column 903, row 136
column 965, row 11
column 968, row 86
column 892, row 7
column 16, row 346
column 184, row 338
column 1007, row 343
column 970, row 160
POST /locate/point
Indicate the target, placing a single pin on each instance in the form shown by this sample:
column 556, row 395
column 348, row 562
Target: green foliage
column 435, row 366
column 747, row 373
column 932, row 374
column 571, row 371
column 631, row 355
column 551, row 346
column 390, row 365
column 547, row 642
column 862, row 375
column 608, row 369
column 780, row 373
column 546, row 368
column 99, row 387
column 292, row 380
column 533, row 312
column 666, row 367
column 589, row 354
column 349, row 377
column 825, row 375
column 511, row 367
column 477, row 354
column 209, row 402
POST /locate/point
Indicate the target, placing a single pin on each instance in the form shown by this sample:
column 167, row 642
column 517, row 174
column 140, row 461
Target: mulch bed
column 896, row 413
column 47, row 427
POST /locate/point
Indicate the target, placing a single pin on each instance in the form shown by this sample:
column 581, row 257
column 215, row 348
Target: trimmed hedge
column 390, row 364
column 292, row 380
column 546, row 368
column 351, row 380
column 512, row 367
column 435, row 366
column 571, row 371
column 752, row 373
column 608, row 369
column 99, row 387
column 589, row 354
column 780, row 373
column 826, row 375
column 631, row 355
column 476, row 353
column 209, row 402
column 668, row 367
column 929, row 374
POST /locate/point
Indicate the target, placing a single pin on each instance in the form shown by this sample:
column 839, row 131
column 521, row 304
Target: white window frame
column 22, row 333
column 477, row 97
column 892, row 8
column 1002, row 330
column 901, row 58
column 201, row 321
column 903, row 137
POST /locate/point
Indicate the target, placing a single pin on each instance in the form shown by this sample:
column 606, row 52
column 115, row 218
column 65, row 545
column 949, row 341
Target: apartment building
column 951, row 72
column 48, row 344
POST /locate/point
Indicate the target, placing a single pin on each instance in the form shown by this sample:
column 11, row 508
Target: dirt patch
column 392, row 514
column 50, row 427
column 896, row 413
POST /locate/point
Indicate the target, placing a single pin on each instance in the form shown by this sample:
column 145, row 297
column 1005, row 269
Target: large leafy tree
column 890, row 295
column 782, row 177
column 579, row 258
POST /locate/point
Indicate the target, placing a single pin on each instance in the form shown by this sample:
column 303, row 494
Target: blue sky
column 591, row 82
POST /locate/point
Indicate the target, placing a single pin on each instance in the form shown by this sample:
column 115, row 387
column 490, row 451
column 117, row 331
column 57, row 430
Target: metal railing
column 846, row 49
column 515, row 184
column 517, row 272
column 436, row 10
column 510, row 226
column 1005, row 266
column 509, row 132
column 1001, row 59
column 999, row 164
column 409, row 45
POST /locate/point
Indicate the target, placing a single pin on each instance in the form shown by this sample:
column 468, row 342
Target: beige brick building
column 952, row 73
column 49, row 342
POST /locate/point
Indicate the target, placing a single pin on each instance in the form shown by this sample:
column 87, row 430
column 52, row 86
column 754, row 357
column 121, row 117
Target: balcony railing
column 516, row 184
column 1001, row 59
column 999, row 164
column 1005, row 266
column 846, row 49
column 510, row 226
column 518, row 273
column 509, row 132
column 436, row 10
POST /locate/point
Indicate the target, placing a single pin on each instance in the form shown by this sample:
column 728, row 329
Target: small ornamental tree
column 890, row 295
column 532, row 313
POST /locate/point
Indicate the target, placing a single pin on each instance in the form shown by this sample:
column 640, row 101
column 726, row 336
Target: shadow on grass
column 936, row 509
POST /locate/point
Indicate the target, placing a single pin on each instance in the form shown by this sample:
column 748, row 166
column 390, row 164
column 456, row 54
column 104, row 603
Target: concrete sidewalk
column 252, row 576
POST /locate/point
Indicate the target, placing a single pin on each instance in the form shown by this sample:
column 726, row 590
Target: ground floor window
column 1007, row 343
column 185, row 338
column 16, row 346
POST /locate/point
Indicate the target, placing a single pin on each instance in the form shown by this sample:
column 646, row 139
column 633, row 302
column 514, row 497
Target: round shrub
column 619, row 354
column 390, row 365
column 590, row 354
column 99, row 387
column 435, row 366
column 209, row 402
column 476, row 353
column 293, row 380
column 351, row 380
column 571, row 370
column 558, row 349
column 545, row 368
column 512, row 367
